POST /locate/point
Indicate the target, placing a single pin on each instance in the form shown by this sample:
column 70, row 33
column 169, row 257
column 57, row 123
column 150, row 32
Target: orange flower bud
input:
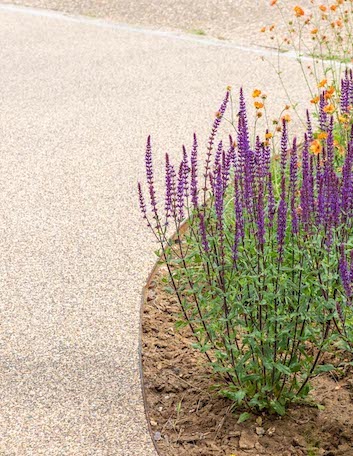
column 256, row 93
column 323, row 8
column 298, row 11
column 315, row 100
column 322, row 83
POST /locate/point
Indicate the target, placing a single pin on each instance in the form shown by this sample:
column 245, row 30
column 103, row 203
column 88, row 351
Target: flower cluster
column 267, row 243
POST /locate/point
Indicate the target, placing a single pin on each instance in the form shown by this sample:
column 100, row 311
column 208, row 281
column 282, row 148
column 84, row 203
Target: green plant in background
column 321, row 38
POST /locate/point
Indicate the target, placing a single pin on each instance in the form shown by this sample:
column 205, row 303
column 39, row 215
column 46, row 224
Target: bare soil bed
column 187, row 419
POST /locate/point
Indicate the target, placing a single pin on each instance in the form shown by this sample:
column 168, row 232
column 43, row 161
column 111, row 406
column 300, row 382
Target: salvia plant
column 264, row 271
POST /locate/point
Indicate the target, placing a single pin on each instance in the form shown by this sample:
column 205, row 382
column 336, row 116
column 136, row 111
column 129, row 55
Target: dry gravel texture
column 238, row 20
column 78, row 100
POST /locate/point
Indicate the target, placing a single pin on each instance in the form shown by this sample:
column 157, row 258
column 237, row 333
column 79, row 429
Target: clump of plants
column 264, row 272
column 321, row 38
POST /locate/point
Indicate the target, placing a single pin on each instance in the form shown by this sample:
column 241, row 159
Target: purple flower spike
column 142, row 201
column 193, row 184
column 168, row 189
column 284, row 146
column 281, row 225
column 150, row 181
column 181, row 192
column 203, row 233
column 293, row 186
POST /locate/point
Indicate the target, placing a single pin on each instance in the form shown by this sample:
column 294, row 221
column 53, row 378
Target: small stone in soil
column 260, row 431
column 157, row 436
column 299, row 441
column 271, row 431
column 247, row 441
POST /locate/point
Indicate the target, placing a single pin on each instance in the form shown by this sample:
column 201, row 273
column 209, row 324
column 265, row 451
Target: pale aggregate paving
column 237, row 20
column 77, row 102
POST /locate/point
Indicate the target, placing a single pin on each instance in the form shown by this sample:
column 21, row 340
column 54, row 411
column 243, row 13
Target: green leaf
column 278, row 407
column 282, row 368
column 244, row 417
column 324, row 368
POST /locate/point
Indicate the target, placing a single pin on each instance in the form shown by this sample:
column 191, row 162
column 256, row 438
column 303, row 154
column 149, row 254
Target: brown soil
column 187, row 419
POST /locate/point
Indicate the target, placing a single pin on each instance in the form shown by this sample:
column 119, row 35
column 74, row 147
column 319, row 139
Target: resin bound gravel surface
column 238, row 20
column 78, row 99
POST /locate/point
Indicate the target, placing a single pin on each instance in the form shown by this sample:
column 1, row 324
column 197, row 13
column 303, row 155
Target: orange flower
column 322, row 135
column 339, row 23
column 314, row 31
column 316, row 147
column 330, row 109
column 336, row 143
column 333, row 7
column 329, row 92
column 315, row 100
column 256, row 93
column 273, row 2
column 268, row 135
column 322, row 83
column 229, row 88
column 263, row 30
column 343, row 119
column 298, row 11
column 286, row 118
column 323, row 8
column 258, row 105
column 272, row 27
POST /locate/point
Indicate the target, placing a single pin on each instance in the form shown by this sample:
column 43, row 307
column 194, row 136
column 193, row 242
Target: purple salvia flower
column 271, row 202
column 142, row 201
column 351, row 267
column 281, row 225
column 261, row 216
column 203, row 233
column 216, row 123
column 168, row 189
column 344, row 100
column 347, row 189
column 227, row 163
column 193, row 183
column 305, row 198
column 293, row 171
column 186, row 171
column 239, row 219
column 218, row 186
column 181, row 192
column 266, row 158
column 309, row 128
column 321, row 216
column 150, row 181
column 284, row 146
column 218, row 155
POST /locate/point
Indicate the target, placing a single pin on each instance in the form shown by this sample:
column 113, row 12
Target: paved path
column 238, row 20
column 77, row 101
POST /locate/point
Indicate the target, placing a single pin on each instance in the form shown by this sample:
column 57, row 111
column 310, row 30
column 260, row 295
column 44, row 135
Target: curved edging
column 145, row 289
